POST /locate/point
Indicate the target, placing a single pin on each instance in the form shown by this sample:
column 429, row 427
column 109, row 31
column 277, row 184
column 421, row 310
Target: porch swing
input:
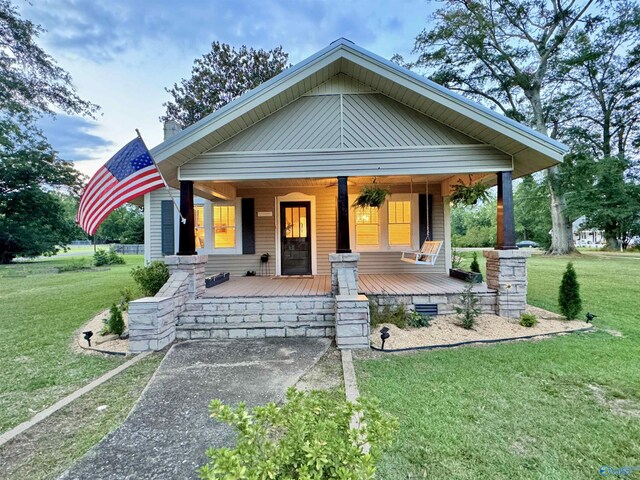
column 430, row 249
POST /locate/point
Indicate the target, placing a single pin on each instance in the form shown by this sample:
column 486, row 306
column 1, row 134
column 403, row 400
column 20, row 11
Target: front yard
column 552, row 409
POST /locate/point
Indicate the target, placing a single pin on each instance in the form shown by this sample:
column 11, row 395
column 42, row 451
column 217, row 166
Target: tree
column 32, row 217
column 474, row 226
column 123, row 225
column 505, row 53
column 220, row 76
column 604, row 96
column 569, row 295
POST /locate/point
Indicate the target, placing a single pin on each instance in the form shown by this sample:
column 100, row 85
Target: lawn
column 551, row 409
column 41, row 309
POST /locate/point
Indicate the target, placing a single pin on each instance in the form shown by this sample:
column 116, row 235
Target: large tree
column 505, row 53
column 603, row 96
column 220, row 76
column 32, row 219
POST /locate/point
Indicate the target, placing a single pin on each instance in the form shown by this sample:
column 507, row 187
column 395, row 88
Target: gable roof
column 531, row 151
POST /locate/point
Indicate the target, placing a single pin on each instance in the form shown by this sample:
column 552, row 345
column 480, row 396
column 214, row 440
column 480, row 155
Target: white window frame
column 383, row 225
column 209, row 248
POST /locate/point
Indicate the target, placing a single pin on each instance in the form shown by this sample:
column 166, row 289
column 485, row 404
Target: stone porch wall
column 507, row 274
column 446, row 302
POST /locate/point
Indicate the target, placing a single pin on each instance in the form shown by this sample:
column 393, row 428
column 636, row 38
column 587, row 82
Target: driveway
column 169, row 429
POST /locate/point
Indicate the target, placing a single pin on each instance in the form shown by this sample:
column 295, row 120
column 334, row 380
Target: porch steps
column 256, row 317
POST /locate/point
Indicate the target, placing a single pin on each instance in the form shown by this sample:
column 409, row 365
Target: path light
column 590, row 316
column 87, row 336
column 384, row 334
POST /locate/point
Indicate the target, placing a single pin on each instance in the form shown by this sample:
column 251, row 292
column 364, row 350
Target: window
column 367, row 226
column 224, row 226
column 399, row 222
column 198, row 211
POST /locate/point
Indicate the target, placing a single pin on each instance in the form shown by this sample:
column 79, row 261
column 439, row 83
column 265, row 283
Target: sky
column 122, row 54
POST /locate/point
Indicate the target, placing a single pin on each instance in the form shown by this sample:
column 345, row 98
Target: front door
column 295, row 236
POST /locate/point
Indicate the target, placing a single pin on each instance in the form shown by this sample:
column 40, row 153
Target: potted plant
column 469, row 194
column 371, row 196
column 472, row 275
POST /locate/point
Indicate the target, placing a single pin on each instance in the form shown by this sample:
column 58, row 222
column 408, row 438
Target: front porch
column 317, row 285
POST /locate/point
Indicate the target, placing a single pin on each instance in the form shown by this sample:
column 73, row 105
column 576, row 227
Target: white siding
column 153, row 238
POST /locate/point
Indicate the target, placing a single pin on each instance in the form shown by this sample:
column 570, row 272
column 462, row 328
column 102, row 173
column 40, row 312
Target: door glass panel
column 296, row 222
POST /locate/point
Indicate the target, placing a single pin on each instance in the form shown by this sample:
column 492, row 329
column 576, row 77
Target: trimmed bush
column 469, row 311
column 569, row 296
column 307, row 437
column 151, row 278
column 528, row 320
column 418, row 320
column 475, row 266
column 107, row 257
column 115, row 322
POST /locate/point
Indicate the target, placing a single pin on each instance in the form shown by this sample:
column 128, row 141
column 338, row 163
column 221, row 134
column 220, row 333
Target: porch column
column 187, row 240
column 343, row 245
column 506, row 234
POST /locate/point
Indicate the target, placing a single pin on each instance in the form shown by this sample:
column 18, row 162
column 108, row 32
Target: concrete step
column 192, row 331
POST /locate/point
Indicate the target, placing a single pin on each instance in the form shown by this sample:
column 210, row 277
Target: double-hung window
column 393, row 226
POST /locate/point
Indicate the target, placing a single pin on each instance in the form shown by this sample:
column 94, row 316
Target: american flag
column 130, row 173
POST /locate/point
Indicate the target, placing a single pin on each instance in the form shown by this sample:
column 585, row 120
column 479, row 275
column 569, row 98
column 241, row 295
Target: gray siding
column 154, row 235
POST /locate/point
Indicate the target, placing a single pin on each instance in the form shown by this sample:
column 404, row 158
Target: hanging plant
column 371, row 196
column 469, row 194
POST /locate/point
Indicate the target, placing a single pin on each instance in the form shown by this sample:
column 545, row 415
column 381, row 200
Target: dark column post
column 343, row 216
column 187, row 241
column 506, row 235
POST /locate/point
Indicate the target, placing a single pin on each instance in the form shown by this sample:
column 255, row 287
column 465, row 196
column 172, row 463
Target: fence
column 127, row 249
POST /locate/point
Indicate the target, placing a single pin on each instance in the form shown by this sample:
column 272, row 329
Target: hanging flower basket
column 371, row 197
column 469, row 195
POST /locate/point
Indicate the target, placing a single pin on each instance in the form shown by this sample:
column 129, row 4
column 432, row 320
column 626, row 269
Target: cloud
column 72, row 137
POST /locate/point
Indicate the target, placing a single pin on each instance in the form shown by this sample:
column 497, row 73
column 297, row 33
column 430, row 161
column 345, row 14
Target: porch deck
column 370, row 284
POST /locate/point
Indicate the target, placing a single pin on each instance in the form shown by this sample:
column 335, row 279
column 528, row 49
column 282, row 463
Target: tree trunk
column 561, row 227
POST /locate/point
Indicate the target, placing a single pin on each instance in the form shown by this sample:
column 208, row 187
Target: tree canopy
column 219, row 77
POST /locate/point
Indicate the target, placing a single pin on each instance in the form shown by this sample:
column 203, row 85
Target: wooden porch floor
column 391, row 284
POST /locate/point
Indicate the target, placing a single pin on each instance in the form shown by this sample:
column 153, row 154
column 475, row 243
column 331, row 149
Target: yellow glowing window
column 367, row 226
column 296, row 219
column 400, row 222
column 198, row 212
column 224, row 226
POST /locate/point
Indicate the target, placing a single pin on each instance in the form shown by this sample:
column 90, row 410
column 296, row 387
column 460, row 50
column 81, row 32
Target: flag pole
column 182, row 219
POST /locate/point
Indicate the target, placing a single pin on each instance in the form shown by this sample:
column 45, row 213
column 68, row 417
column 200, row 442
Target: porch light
column 87, row 336
column 384, row 334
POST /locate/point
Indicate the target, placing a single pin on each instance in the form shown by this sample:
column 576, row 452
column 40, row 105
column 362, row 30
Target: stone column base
column 344, row 263
column 507, row 274
column 194, row 266
column 352, row 321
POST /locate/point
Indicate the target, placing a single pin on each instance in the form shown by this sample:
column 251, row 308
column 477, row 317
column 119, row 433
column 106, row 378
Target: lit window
column 198, row 211
column 399, row 222
column 224, row 226
column 367, row 226
column 296, row 219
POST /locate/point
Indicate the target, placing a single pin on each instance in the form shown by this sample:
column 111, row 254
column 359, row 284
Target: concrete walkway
column 168, row 431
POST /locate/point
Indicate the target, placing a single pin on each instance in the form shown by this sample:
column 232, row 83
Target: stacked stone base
column 446, row 302
column 257, row 317
column 507, row 274
column 352, row 321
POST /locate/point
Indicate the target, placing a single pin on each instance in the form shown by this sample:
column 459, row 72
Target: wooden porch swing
column 430, row 249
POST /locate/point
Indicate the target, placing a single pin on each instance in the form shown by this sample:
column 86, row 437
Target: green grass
column 41, row 310
column 55, row 444
column 527, row 409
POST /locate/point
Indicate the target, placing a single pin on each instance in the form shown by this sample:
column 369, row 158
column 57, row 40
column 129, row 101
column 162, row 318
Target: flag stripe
column 129, row 174
column 112, row 185
column 118, row 188
column 141, row 190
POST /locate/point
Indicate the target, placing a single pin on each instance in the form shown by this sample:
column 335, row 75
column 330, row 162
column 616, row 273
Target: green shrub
column 114, row 323
column 475, row 266
column 398, row 315
column 469, row 311
column 418, row 320
column 74, row 265
column 151, row 278
column 528, row 320
column 569, row 296
column 107, row 257
column 308, row 437
column 126, row 295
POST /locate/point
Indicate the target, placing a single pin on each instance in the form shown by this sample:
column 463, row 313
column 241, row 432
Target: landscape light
column 590, row 316
column 384, row 334
column 87, row 336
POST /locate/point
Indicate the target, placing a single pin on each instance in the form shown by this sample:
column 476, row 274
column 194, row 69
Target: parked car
column 527, row 244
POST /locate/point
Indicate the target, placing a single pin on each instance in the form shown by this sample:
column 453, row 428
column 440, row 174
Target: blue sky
column 123, row 53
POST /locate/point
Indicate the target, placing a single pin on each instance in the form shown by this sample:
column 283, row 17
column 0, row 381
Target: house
column 590, row 238
column 276, row 172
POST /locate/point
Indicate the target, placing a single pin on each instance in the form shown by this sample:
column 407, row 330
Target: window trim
column 209, row 248
column 383, row 225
